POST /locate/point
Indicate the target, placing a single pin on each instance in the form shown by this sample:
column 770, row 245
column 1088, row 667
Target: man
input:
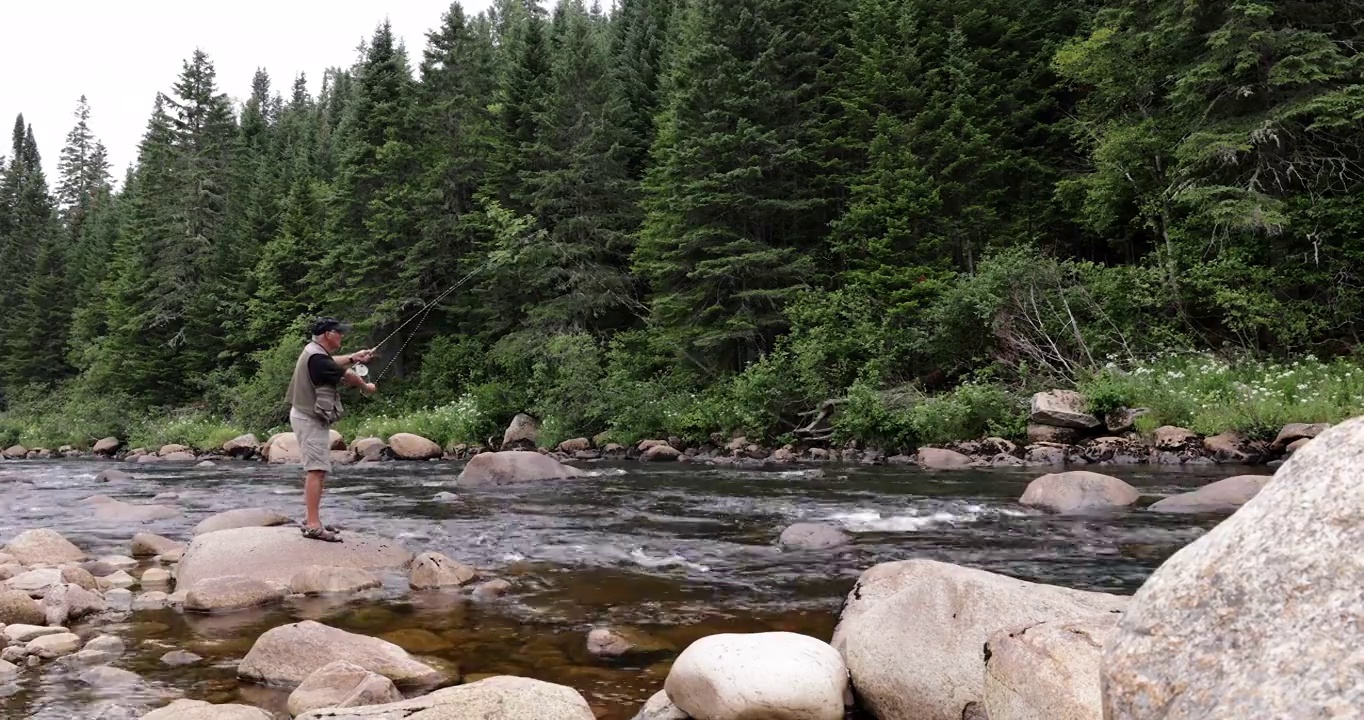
column 315, row 405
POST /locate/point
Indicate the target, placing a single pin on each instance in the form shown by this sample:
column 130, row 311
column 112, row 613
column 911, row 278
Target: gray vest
column 320, row 401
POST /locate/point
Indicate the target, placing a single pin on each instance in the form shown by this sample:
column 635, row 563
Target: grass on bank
column 1201, row 392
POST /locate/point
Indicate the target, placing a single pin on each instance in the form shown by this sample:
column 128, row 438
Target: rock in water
column 288, row 654
column 147, row 545
column 53, row 646
column 812, row 536
column 274, row 554
column 1062, row 408
column 406, row 446
column 112, row 475
column 1049, row 670
column 513, row 466
column 623, row 641
column 65, row 602
column 319, row 580
column 368, row 448
column 107, row 446
column 342, row 684
column 521, row 434
column 200, row 710
column 660, row 707
column 43, row 546
column 1221, row 496
column 1259, row 618
column 940, row 459
column 501, row 698
column 232, row 592
column 240, row 518
column 661, row 453
column 433, row 570
column 111, row 510
column 242, row 446
column 1078, row 491
column 912, row 632
column 17, row 608
column 773, row 675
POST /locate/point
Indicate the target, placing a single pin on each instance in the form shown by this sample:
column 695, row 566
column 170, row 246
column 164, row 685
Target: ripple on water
column 680, row 550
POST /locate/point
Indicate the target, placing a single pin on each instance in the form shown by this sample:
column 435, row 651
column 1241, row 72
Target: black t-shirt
column 324, row 370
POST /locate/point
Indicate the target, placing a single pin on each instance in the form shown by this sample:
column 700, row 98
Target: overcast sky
column 119, row 54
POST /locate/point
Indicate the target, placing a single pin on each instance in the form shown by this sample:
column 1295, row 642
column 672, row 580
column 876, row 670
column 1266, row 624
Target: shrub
column 458, row 422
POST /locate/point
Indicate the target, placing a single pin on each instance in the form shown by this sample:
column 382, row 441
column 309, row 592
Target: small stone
column 119, row 599
column 813, row 536
column 323, row 580
column 179, row 658
column 150, row 601
column 117, row 562
column 111, row 644
column 110, row 677
column 49, row 647
column 154, row 578
column 8, row 670
column 23, row 633
column 434, row 570
column 232, row 592
column 147, row 545
column 492, row 589
column 14, row 654
column 118, row 580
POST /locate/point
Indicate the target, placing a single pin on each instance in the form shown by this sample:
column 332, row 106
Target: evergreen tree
column 83, row 170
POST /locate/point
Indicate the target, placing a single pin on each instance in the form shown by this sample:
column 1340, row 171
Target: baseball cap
column 330, row 323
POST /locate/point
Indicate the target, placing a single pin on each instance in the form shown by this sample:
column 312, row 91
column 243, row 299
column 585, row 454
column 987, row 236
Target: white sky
column 119, row 54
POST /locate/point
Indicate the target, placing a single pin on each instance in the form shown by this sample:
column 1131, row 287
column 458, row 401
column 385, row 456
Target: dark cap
column 329, row 323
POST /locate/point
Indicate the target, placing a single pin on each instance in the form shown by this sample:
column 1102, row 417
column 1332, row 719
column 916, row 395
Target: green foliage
column 191, row 429
column 457, row 422
column 905, row 419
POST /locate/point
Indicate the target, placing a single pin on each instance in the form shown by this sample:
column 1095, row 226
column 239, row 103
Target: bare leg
column 312, row 496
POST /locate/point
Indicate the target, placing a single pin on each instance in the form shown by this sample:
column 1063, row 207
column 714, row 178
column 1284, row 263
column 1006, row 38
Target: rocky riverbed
column 867, row 589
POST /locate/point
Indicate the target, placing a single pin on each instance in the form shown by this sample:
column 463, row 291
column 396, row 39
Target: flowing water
column 677, row 551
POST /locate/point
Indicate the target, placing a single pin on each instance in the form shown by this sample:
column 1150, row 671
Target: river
column 678, row 551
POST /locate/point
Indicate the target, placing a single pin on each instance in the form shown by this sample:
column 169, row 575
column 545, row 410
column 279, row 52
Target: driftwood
column 819, row 429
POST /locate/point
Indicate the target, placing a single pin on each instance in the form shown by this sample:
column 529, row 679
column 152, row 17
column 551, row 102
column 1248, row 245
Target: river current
column 677, row 551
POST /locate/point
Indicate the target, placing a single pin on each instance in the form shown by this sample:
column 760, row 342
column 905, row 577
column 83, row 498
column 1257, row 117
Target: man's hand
column 363, row 356
column 371, row 388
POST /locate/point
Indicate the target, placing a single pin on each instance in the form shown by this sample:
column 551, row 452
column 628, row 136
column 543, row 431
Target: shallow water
column 680, row 551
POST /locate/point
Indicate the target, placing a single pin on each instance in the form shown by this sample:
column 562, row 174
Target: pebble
column 177, row 658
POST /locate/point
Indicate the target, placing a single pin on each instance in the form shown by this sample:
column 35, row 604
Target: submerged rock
column 813, row 536
column 1078, row 491
column 434, row 570
column 288, row 654
column 1222, row 496
column 43, row 547
column 1212, row 633
column 200, row 710
column 940, row 459
column 514, row 466
column 112, row 475
column 342, row 684
column 773, row 675
column 147, row 545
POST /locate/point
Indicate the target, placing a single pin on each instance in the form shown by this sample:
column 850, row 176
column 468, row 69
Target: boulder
column 106, row 677
column 940, row 459
column 813, row 536
column 242, row 446
column 1124, row 419
column 1062, row 408
column 66, row 602
column 576, row 445
column 113, row 475
column 1230, row 447
column 35, row 582
column 1297, row 431
column 406, row 446
column 17, row 608
column 180, row 658
column 173, row 449
column 79, row 576
column 1222, row 496
column 110, row 510
column 200, row 710
column 1078, row 491
column 1169, row 437
column 661, row 453
column 1038, row 433
column 274, row 554
column 623, row 641
column 772, row 675
column 514, row 466
column 231, row 592
column 322, row 580
column 49, row 647
column 1047, row 670
column 240, row 518
column 119, row 599
column 154, row 600
column 288, row 654
column 522, row 434
column 15, row 452
column 492, row 589
column 43, row 547
column 1044, row 455
column 659, row 707
column 181, row 457
column 20, row 634
column 107, row 446
column 368, row 448
column 338, row 442
column 502, row 698
column 147, row 545
column 1260, row 616
column 154, row 578
column 342, row 684
column 417, row 640
column 912, row 632
column 433, row 570
column 8, row 671
column 1297, row 445
column 146, row 459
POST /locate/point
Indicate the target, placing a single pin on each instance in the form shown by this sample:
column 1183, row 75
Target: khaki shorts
column 314, row 441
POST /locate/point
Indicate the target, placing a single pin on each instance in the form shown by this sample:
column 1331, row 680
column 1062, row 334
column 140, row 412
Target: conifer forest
column 684, row 217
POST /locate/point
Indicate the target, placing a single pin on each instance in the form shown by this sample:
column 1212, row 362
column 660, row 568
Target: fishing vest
column 320, row 401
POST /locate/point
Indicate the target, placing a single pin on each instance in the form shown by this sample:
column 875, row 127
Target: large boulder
column 812, row 536
column 274, row 554
column 288, row 654
column 200, row 710
column 1260, row 616
column 240, row 518
column 1078, row 491
column 406, row 446
column 1062, row 408
column 1222, row 496
column 940, row 459
column 242, row 446
column 1047, row 670
column 432, row 570
column 513, row 466
column 231, row 592
column 772, row 675
column 17, row 608
column 912, row 632
column 107, row 446
column 43, row 547
column 342, row 684
column 1294, row 432
column 496, row 698
column 522, row 434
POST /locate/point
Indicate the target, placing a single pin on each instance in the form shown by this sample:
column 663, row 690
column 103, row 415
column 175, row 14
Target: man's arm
column 346, row 361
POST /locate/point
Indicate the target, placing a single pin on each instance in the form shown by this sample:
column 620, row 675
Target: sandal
column 321, row 533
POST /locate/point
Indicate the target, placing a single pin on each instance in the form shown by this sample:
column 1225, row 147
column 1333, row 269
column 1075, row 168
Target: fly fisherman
column 315, row 400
